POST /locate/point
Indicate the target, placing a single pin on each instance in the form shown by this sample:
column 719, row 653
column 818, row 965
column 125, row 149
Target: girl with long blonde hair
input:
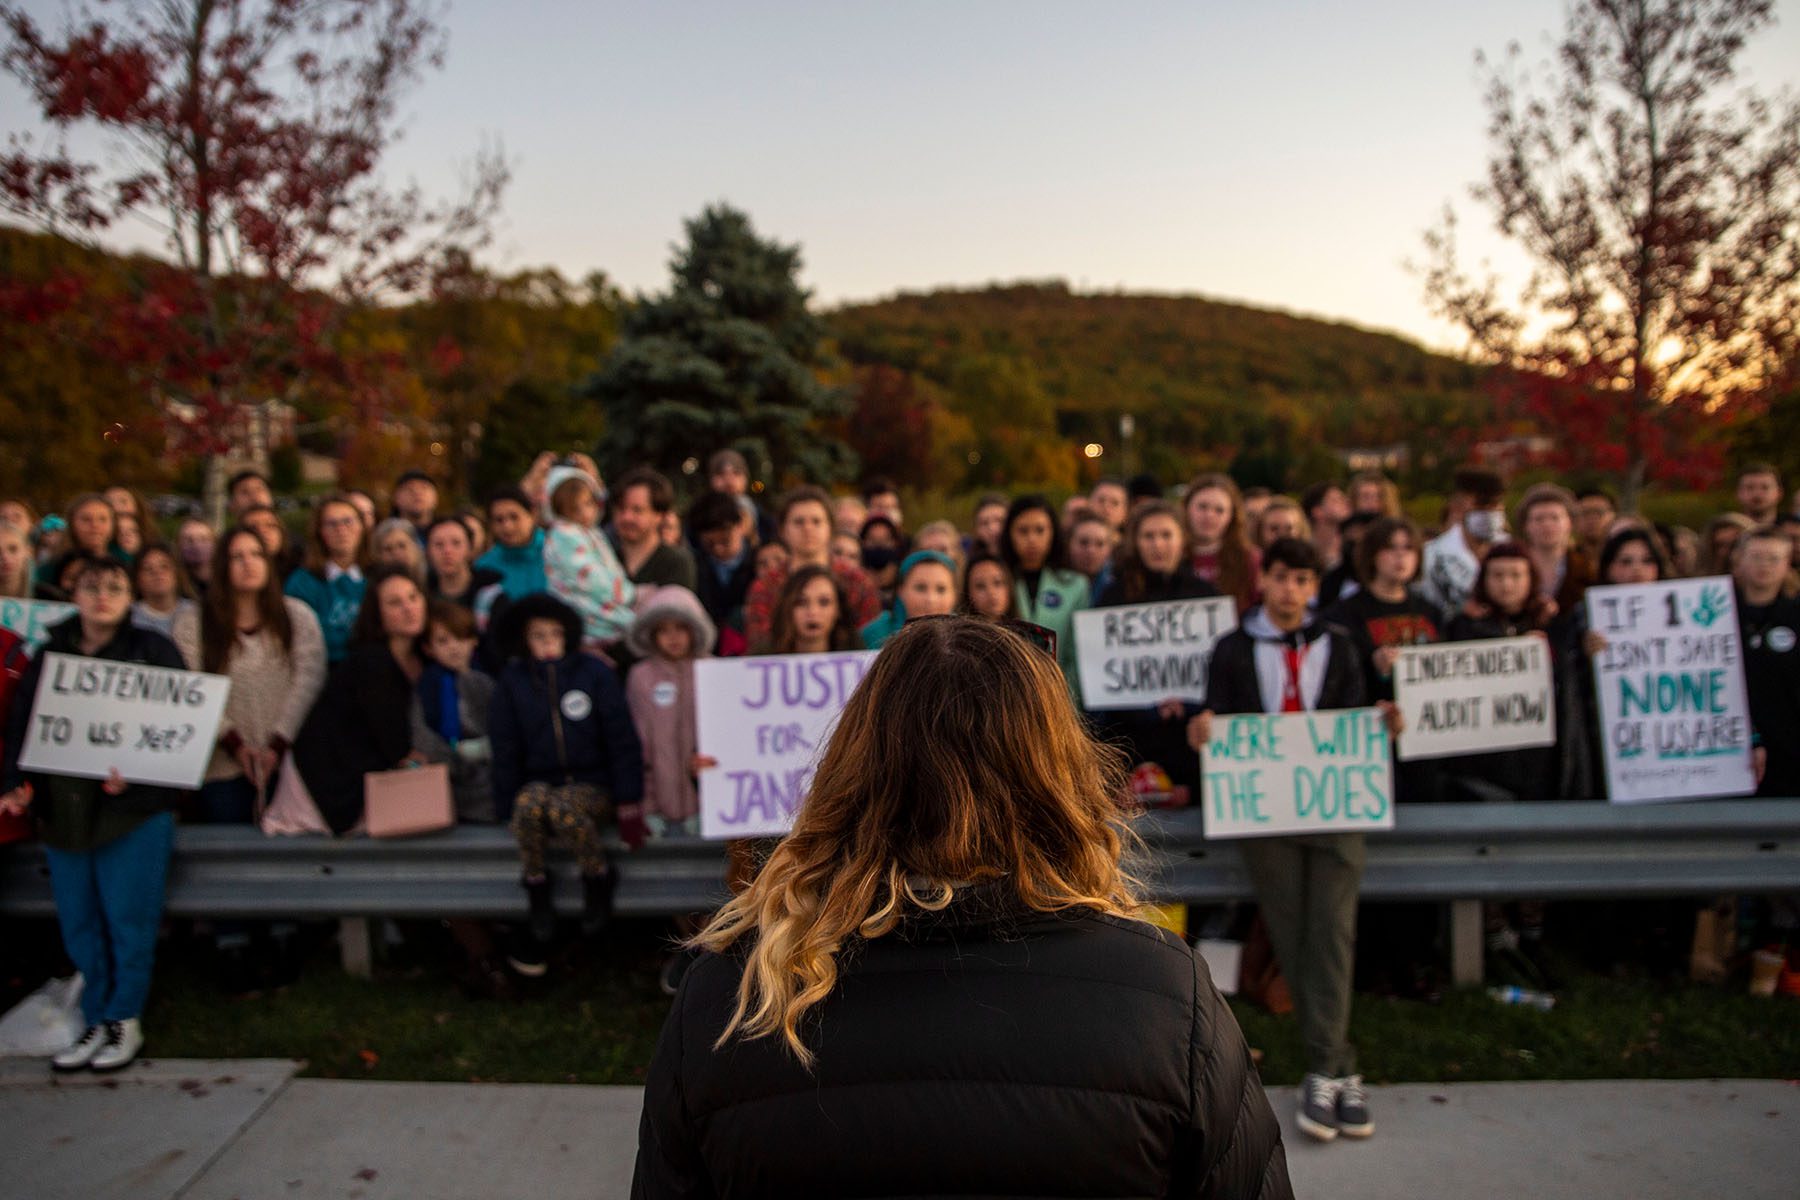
column 937, row 983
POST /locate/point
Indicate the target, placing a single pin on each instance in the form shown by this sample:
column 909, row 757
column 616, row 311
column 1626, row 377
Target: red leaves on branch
column 251, row 131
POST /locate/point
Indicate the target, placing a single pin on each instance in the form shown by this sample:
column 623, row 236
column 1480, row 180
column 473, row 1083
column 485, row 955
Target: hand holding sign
column 1674, row 715
column 97, row 719
column 1305, row 772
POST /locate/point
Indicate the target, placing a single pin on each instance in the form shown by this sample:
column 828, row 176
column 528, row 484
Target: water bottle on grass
column 1542, row 1001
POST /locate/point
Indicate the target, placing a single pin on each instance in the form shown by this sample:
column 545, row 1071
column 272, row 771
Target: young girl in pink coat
column 671, row 631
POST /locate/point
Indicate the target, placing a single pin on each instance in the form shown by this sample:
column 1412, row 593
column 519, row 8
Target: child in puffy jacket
column 564, row 754
column 671, row 632
column 583, row 570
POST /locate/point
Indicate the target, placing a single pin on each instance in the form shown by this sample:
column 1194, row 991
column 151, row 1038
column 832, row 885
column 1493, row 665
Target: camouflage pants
column 569, row 812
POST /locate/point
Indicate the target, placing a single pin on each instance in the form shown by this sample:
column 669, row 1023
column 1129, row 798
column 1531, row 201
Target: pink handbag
column 408, row 801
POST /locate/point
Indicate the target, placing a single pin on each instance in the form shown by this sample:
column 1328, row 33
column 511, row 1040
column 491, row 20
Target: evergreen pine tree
column 725, row 360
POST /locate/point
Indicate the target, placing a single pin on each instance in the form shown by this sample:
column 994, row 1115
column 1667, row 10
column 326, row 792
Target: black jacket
column 361, row 722
column 558, row 722
column 1526, row 773
column 976, row 1053
column 1232, row 685
column 129, row 644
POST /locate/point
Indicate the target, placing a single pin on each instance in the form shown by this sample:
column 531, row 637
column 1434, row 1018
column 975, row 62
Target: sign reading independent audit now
column 1475, row 697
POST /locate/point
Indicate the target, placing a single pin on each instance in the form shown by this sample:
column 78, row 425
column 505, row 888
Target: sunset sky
column 1287, row 154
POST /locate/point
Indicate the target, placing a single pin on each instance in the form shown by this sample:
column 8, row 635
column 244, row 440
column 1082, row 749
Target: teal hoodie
column 521, row 567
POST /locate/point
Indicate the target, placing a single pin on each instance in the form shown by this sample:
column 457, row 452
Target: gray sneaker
column 1317, row 1115
column 1353, row 1119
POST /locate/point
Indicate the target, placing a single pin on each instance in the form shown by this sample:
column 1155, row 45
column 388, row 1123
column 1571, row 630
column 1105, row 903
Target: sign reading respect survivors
column 1474, row 697
column 1674, row 716
column 152, row 724
column 1137, row 655
column 1309, row 772
column 766, row 720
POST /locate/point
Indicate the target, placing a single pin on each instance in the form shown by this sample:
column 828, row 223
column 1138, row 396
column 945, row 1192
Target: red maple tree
column 250, row 133
column 1656, row 204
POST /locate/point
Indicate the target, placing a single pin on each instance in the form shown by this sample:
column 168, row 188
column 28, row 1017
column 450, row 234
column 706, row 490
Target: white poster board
column 154, row 724
column 32, row 619
column 1137, row 655
column 1311, row 772
column 766, row 720
column 1674, row 714
column 1474, row 697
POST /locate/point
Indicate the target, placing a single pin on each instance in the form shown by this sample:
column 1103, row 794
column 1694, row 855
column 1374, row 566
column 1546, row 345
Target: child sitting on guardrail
column 670, row 633
column 564, row 754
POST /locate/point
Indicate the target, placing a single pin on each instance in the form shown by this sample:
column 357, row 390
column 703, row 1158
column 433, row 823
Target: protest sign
column 1674, row 716
column 154, row 724
column 1474, row 697
column 766, row 720
column 1308, row 772
column 32, row 619
column 1137, row 655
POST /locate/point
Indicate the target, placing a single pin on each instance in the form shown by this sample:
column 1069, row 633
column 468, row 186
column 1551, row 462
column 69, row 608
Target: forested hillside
column 1016, row 375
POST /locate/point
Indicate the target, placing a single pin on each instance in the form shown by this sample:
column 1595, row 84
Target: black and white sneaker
column 1317, row 1115
column 1353, row 1119
column 82, row 1051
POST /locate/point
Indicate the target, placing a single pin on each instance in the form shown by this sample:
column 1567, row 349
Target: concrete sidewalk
column 218, row 1130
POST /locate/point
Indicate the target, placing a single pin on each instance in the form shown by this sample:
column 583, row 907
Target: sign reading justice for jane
column 1674, row 717
column 1308, row 772
column 153, row 724
column 1474, row 697
column 1137, row 655
column 766, row 720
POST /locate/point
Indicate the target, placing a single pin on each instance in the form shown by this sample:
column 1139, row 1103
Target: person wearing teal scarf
column 918, row 593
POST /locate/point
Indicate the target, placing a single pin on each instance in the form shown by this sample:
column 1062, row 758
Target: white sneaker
column 79, row 1055
column 123, row 1041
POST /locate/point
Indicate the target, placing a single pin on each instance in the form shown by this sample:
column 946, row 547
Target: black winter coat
column 361, row 722
column 562, row 722
column 973, row 1053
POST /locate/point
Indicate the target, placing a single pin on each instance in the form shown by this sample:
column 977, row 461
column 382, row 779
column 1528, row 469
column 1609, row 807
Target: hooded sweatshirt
column 660, row 694
column 521, row 568
column 582, row 570
column 1249, row 667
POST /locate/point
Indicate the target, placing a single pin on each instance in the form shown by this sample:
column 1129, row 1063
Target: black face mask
column 879, row 558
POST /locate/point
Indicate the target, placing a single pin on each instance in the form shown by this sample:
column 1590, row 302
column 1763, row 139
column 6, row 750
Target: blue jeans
column 109, row 901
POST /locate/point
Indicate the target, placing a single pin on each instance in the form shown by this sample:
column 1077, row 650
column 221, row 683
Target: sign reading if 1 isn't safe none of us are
column 1674, row 716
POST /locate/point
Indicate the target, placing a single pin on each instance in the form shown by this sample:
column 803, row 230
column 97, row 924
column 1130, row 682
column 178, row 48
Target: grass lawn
column 596, row 1018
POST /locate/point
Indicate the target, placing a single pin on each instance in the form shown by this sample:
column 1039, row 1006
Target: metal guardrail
column 1442, row 852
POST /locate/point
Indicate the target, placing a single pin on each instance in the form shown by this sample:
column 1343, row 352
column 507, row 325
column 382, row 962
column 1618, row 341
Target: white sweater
column 270, row 693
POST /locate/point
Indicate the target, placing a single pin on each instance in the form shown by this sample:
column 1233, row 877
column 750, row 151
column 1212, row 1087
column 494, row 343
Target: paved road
column 190, row 1130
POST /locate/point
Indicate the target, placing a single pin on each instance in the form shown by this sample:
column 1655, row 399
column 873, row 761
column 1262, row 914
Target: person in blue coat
column 565, row 754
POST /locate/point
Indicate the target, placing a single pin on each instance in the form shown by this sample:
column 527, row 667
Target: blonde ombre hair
column 959, row 760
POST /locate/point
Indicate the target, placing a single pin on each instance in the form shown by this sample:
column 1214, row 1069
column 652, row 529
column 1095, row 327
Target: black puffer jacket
column 977, row 1053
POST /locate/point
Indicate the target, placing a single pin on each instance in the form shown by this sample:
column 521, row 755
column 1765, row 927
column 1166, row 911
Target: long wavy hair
column 1134, row 577
column 1236, row 557
column 782, row 634
column 219, row 615
column 959, row 760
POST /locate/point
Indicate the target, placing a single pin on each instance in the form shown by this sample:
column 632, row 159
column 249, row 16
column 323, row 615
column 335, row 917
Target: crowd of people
column 542, row 649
